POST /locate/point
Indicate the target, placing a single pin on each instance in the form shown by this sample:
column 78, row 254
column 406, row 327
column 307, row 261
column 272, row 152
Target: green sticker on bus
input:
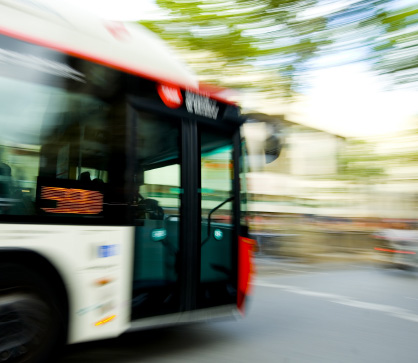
column 158, row 234
column 218, row 234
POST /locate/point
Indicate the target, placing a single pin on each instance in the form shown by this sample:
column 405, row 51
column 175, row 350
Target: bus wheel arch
column 32, row 290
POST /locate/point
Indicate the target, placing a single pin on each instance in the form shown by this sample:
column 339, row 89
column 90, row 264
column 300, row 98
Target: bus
column 122, row 185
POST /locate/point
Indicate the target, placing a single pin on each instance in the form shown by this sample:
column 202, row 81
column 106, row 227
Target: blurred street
column 149, row 149
column 345, row 312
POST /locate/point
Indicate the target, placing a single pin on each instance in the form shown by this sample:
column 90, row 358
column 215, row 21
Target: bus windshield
column 32, row 116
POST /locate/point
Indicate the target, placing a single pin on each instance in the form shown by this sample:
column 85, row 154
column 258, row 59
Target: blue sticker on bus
column 107, row 251
column 218, row 234
column 158, row 234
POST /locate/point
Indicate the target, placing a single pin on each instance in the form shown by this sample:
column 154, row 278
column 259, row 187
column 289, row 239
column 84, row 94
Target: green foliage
column 359, row 163
column 281, row 37
column 397, row 51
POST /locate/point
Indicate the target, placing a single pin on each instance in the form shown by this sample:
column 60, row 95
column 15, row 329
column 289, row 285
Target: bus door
column 156, row 215
column 218, row 253
column 185, row 249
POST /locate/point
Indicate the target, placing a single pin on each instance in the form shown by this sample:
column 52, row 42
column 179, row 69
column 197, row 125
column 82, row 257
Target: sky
column 347, row 100
column 350, row 101
column 126, row 10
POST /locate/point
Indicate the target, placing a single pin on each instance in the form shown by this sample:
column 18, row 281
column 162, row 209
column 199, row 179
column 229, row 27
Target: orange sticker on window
column 73, row 201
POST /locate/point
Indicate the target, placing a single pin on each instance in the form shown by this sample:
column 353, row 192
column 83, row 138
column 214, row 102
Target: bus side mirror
column 272, row 148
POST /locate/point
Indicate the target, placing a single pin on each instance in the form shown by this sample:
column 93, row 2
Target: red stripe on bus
column 110, row 64
column 246, row 270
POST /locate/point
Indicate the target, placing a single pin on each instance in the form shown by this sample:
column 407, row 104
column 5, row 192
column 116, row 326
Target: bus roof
column 125, row 46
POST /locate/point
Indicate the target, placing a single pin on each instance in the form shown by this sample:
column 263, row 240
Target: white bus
column 120, row 201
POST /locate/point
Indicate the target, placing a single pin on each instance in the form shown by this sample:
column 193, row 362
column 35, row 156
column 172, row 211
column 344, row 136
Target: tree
column 360, row 163
column 397, row 51
column 278, row 39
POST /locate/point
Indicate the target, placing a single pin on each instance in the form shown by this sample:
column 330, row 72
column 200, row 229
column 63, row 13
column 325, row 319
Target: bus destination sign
column 201, row 105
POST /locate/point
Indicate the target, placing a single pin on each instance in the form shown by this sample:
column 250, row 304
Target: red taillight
column 246, row 269
column 394, row 251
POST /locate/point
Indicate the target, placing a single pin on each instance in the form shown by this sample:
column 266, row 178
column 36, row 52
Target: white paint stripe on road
column 292, row 270
column 263, row 268
column 300, row 291
column 343, row 300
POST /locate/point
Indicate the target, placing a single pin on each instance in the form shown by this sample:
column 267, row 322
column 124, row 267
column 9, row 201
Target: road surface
column 298, row 314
